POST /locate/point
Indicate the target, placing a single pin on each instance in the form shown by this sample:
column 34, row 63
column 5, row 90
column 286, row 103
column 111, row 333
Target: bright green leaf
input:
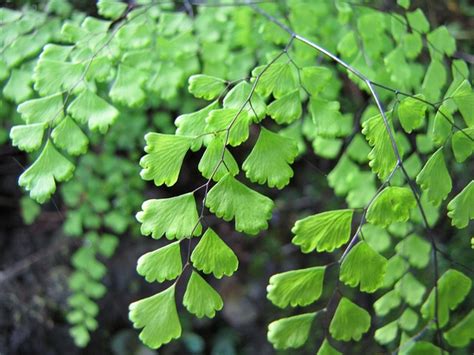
column 416, row 250
column 211, row 158
column 200, row 298
column 291, row 332
column 205, row 86
column 174, row 217
column 462, row 333
column 324, row 231
column 296, row 287
column 270, row 158
column 410, row 289
column 411, row 113
column 462, row 145
column 213, row 255
column 158, row 317
column 162, row 264
column 44, row 110
column 461, row 207
column 363, row 266
column 387, row 333
column 386, row 303
column 391, row 205
column 68, row 136
column 165, row 154
column 27, row 137
column 230, row 199
column 40, row 178
column 349, row 321
column 286, row 109
column 327, row 349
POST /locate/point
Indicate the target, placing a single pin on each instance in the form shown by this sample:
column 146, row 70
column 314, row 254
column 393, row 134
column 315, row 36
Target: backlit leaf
column 349, row 322
column 230, row 199
column 200, row 298
column 27, row 137
column 411, row 113
column 68, row 136
column 213, row 255
column 174, row 217
column 287, row 108
column 212, row 157
column 392, row 205
column 158, row 317
column 269, row 159
column 165, row 154
column 296, row 287
column 205, row 86
column 461, row 207
column 291, row 332
column 40, row 178
column 44, row 110
column 363, row 266
column 324, row 231
column 162, row 264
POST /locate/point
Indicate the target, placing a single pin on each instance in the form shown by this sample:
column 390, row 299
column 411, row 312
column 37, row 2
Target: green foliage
column 291, row 332
column 363, row 266
column 296, row 287
column 349, row 321
column 158, row 317
column 323, row 231
column 230, row 199
column 212, row 255
column 73, row 76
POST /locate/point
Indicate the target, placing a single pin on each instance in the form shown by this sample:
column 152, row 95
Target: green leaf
column 205, row 86
column 408, row 320
column 213, row 255
column 387, row 333
column 194, row 125
column 423, row 348
column 462, row 333
column 442, row 40
column 239, row 95
column 291, row 332
column 327, row 349
column 463, row 147
column 358, row 149
column 363, row 266
column 200, row 298
column 464, row 99
column 27, row 137
column 404, row 3
column 212, row 156
column 411, row 113
column 377, row 237
column 343, row 176
column 270, row 159
column 327, row 118
column 315, row 79
column 91, row 109
column 68, row 136
column 127, row 88
column 410, row 289
column 80, row 334
column 52, row 76
column 418, row 21
column 382, row 157
column 416, row 250
column 349, row 321
column 453, row 287
column 158, row 317
column 165, row 156
column 461, row 208
column 230, row 199
column 44, row 110
column 30, row 210
column 396, row 267
column 111, row 9
column 277, row 79
column 162, row 264
column 18, row 88
column 174, row 217
column 392, row 205
column 386, row 303
column 434, row 178
column 286, row 109
column 40, row 178
column 296, row 287
column 324, row 231
column 230, row 119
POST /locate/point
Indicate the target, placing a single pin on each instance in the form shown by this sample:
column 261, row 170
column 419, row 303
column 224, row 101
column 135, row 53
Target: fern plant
column 275, row 94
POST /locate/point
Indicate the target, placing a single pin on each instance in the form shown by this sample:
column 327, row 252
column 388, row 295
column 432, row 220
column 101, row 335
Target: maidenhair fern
column 272, row 75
